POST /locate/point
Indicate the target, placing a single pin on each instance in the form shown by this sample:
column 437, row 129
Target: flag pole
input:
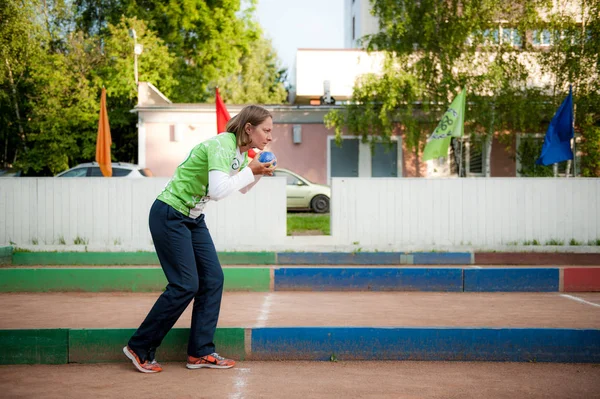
column 461, row 158
column 574, row 140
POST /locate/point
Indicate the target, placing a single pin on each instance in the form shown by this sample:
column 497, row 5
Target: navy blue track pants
column 189, row 260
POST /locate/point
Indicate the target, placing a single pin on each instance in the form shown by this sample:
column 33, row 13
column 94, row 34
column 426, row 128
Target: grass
column 80, row 241
column 308, row 224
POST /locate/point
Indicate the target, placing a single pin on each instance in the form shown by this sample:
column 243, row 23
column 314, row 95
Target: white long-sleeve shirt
column 221, row 185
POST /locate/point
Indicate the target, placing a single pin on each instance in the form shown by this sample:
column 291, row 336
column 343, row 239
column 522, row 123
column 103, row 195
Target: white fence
column 372, row 214
column 113, row 213
column 476, row 212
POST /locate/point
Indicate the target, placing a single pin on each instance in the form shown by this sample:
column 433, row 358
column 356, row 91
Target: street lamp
column 137, row 50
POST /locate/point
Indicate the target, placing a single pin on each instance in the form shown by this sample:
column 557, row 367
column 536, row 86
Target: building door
column 384, row 160
column 344, row 158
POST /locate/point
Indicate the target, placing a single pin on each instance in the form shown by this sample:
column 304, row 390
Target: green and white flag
column 450, row 126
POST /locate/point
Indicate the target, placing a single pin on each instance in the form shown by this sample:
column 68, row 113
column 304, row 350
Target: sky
column 294, row 24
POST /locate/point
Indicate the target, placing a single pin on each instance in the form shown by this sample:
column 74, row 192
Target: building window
column 473, row 156
column 357, row 159
column 542, row 38
column 529, row 148
column 511, row 37
column 491, row 36
column 353, row 28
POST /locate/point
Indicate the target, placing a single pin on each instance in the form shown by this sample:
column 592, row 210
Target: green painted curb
column 257, row 279
column 6, row 255
column 84, row 258
column 121, row 279
column 106, row 345
column 34, row 346
column 247, row 258
column 129, row 258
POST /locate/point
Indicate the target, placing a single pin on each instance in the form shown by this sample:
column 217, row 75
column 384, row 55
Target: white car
column 119, row 169
column 303, row 194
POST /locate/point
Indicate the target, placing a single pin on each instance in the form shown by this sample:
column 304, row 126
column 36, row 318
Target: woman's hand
column 259, row 168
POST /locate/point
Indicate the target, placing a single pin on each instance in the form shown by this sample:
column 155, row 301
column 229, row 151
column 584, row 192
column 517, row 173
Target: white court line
column 239, row 383
column 579, row 300
column 264, row 311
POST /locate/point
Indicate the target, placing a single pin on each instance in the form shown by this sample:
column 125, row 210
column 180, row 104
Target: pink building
column 302, row 143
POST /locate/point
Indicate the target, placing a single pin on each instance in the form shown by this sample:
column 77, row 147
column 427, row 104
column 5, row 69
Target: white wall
column 364, row 22
column 373, row 214
column 339, row 67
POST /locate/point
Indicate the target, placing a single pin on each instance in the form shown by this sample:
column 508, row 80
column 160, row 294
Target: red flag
column 222, row 114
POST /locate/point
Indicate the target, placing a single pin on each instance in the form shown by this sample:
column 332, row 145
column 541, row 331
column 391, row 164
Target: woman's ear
column 247, row 127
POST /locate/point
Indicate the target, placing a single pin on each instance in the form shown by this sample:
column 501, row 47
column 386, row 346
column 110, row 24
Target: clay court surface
column 283, row 309
column 313, row 380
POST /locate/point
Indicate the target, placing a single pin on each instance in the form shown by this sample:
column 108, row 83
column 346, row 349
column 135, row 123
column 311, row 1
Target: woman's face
column 260, row 135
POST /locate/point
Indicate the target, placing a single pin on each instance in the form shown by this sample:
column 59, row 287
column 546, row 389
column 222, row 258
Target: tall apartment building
column 358, row 22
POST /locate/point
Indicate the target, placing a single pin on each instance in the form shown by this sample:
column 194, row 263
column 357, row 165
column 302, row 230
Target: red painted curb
column 536, row 258
column 582, row 279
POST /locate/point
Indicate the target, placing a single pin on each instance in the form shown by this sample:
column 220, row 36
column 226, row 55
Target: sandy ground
column 282, row 309
column 313, row 380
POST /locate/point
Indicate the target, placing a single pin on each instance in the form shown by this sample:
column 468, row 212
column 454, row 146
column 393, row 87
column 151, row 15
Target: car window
column 290, row 179
column 78, row 172
column 119, row 172
column 116, row 172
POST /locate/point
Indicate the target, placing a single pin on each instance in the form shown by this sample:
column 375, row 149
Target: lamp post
column 137, row 50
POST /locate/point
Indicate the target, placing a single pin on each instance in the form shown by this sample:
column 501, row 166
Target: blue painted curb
column 368, row 279
column 512, row 280
column 439, row 344
column 442, row 258
column 339, row 258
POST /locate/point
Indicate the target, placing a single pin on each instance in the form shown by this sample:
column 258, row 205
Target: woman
column 213, row 170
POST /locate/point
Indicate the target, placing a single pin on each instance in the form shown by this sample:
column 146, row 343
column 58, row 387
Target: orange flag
column 222, row 114
column 104, row 141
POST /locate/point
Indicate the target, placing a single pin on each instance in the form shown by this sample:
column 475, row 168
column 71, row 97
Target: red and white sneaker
column 145, row 367
column 212, row 361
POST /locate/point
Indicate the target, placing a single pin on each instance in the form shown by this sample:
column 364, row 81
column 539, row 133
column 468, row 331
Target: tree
column 257, row 79
column 19, row 40
column 155, row 65
column 448, row 45
column 574, row 60
column 62, row 119
column 56, row 55
column 207, row 38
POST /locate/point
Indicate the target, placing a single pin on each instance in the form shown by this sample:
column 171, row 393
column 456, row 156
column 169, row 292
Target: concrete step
column 455, row 278
column 86, row 327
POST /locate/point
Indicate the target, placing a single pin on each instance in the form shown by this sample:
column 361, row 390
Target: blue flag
column 557, row 143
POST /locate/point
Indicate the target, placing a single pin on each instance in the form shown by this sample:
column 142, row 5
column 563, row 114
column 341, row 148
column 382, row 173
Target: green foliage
column 80, row 241
column 207, row 38
column 19, row 41
column 64, row 107
column 56, row 56
column 444, row 46
column 377, row 103
column 252, row 81
column 528, row 151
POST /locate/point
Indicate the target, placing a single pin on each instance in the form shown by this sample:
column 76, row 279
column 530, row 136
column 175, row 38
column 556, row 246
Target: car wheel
column 320, row 204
